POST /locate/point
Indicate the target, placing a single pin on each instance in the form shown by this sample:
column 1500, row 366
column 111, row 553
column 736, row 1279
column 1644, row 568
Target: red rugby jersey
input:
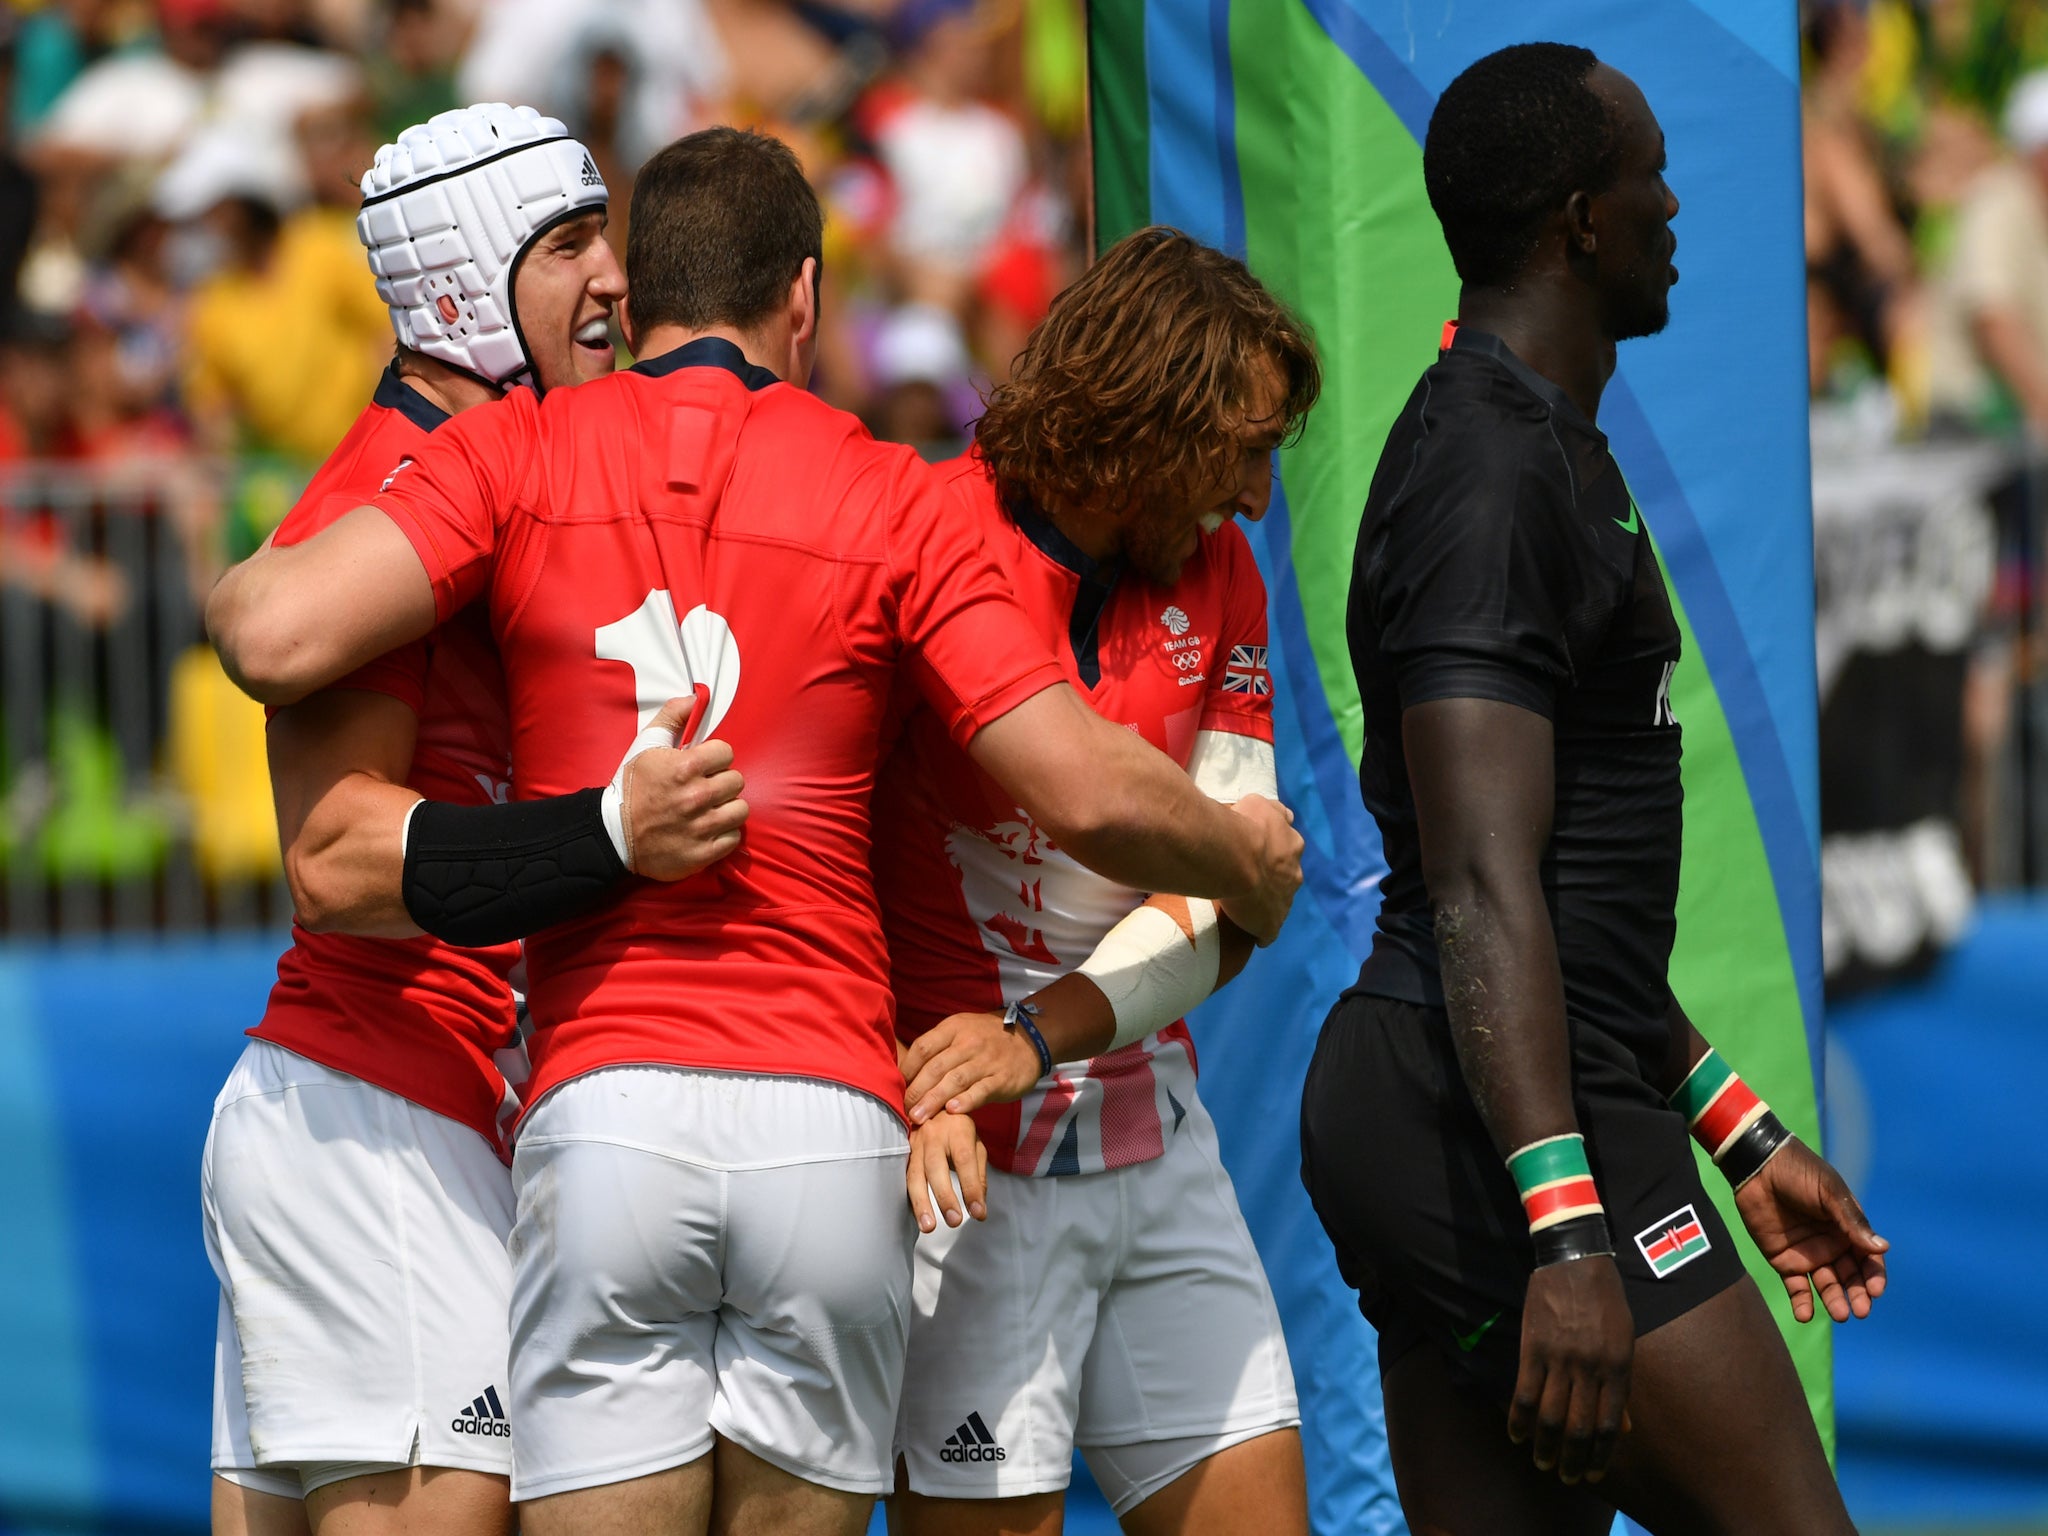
column 416, row 1016
column 980, row 907
column 694, row 522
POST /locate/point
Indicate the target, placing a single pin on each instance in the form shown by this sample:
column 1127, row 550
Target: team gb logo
column 1175, row 621
column 672, row 660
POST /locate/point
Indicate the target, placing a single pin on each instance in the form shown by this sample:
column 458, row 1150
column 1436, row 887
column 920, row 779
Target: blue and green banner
column 1290, row 132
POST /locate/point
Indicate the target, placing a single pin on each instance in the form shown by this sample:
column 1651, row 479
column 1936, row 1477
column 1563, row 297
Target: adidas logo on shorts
column 485, row 1416
column 971, row 1442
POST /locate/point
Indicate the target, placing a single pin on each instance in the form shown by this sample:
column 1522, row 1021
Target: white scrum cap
column 450, row 209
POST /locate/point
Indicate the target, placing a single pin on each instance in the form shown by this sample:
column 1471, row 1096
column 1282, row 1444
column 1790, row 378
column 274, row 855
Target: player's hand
column 1571, row 1394
column 1262, row 912
column 964, row 1062
column 945, row 1146
column 1816, row 1236
column 681, row 805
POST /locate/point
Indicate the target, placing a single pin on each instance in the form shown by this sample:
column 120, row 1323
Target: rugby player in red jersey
column 356, row 1205
column 712, row 1252
column 1111, row 1297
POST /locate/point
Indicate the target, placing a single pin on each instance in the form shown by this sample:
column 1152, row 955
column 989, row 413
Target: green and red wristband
column 1566, row 1219
column 1726, row 1117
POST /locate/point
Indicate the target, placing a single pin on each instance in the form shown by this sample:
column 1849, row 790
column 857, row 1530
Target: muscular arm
column 970, row 1059
column 1075, row 1014
column 1132, row 815
column 338, row 763
column 1152, row 963
column 292, row 620
column 1484, row 793
column 1482, row 780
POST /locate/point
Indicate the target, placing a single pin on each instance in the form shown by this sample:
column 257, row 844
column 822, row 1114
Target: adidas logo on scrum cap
column 485, row 1416
column 590, row 176
column 971, row 1442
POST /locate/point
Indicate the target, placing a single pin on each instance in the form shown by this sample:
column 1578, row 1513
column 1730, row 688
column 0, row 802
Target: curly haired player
column 1111, row 1298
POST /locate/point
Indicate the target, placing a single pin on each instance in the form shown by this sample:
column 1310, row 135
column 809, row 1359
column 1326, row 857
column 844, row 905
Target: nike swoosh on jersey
column 1470, row 1341
column 1635, row 519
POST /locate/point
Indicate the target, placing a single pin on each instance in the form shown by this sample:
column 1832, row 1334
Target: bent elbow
column 259, row 645
column 1501, row 889
column 269, row 661
column 317, row 906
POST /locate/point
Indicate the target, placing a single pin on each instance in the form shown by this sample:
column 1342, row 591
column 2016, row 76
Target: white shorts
column 1125, row 1312
column 359, row 1241
column 700, row 1252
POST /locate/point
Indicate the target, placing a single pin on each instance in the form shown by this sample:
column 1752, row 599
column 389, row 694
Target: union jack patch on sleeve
column 1246, row 671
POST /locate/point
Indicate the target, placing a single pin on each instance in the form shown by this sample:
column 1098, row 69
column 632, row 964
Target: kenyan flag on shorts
column 1673, row 1242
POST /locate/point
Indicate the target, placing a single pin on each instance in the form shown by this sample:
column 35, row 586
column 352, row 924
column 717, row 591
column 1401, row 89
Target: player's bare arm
column 1798, row 1209
column 1482, row 778
column 972, row 1059
column 289, row 621
column 1150, row 969
column 1131, row 814
column 338, row 765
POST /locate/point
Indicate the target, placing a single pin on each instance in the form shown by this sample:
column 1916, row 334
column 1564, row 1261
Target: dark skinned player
column 1494, row 1127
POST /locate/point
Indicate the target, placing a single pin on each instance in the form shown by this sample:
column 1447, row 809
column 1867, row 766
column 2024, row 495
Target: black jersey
column 1502, row 557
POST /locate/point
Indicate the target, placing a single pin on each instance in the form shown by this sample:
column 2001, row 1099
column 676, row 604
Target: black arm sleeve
column 489, row 874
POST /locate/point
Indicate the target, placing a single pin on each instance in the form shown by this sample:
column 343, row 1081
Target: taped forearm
column 1151, row 967
column 1227, row 766
column 489, row 874
column 1152, row 970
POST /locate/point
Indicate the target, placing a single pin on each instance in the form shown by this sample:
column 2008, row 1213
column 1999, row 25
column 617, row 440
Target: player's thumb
column 671, row 718
column 1849, row 1217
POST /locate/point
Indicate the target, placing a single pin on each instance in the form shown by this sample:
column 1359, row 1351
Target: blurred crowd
column 188, row 325
column 178, row 184
column 1925, row 131
column 1926, row 148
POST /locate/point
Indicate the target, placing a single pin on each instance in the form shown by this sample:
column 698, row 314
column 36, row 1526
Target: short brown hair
column 1127, row 391
column 722, row 223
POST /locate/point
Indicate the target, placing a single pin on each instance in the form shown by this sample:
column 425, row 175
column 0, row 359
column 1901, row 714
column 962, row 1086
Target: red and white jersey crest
column 980, row 907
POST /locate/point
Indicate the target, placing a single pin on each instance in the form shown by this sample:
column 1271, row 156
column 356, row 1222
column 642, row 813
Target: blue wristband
column 1024, row 1016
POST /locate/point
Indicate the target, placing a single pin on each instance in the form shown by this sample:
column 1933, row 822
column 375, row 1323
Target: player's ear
column 626, row 324
column 1580, row 236
column 803, row 302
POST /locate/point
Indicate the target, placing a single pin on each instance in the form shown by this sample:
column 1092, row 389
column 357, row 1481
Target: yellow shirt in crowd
column 292, row 352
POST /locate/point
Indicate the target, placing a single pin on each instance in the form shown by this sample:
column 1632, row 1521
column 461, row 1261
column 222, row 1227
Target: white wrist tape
column 611, row 805
column 1226, row 766
column 1149, row 971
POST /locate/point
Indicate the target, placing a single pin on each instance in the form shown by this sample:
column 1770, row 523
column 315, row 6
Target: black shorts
column 1427, row 1224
